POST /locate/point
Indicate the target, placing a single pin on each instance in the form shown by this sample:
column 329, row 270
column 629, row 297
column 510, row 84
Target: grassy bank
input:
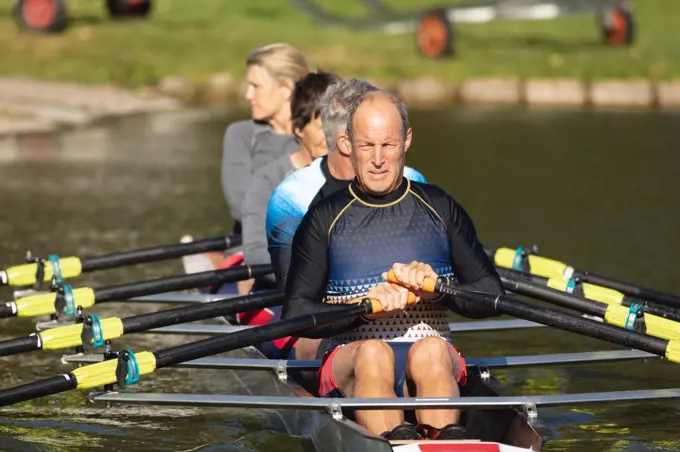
column 200, row 37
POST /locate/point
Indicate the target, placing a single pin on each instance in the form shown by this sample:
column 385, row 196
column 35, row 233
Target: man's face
column 378, row 151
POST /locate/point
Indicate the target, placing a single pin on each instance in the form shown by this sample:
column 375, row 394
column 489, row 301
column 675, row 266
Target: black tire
column 617, row 27
column 434, row 35
column 41, row 16
column 123, row 9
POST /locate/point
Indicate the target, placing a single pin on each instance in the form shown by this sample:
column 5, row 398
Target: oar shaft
column 20, row 345
column 36, row 389
column 143, row 363
column 256, row 335
column 157, row 253
column 553, row 296
column 632, row 289
column 181, row 282
column 565, row 321
column 193, row 313
column 6, row 310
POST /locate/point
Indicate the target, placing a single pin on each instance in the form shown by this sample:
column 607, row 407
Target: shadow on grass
column 85, row 19
column 562, row 45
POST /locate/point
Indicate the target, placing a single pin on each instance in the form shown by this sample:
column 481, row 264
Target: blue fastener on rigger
column 518, row 260
column 56, row 269
column 70, row 308
column 132, row 375
column 97, row 332
column 631, row 319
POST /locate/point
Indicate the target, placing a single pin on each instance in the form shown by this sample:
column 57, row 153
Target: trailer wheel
column 434, row 34
column 617, row 27
column 120, row 9
column 42, row 16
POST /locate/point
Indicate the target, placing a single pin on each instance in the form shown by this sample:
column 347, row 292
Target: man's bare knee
column 372, row 357
column 429, row 358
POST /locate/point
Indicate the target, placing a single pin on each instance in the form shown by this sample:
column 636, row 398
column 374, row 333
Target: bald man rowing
column 343, row 248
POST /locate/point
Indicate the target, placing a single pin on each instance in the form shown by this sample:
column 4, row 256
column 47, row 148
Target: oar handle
column 429, row 284
column 375, row 305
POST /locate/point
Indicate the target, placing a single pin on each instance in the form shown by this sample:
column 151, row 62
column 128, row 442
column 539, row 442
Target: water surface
column 598, row 190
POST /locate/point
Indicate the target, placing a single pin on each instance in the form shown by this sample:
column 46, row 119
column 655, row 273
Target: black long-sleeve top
column 346, row 241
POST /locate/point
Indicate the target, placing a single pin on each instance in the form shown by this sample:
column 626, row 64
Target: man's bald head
column 376, row 139
column 379, row 105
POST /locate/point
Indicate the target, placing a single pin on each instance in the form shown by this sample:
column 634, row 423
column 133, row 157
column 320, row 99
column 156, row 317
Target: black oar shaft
column 581, row 325
column 200, row 312
column 632, row 289
column 181, row 282
column 257, row 335
column 566, row 321
column 554, row 296
column 20, row 345
column 157, row 253
column 36, row 389
column 6, row 311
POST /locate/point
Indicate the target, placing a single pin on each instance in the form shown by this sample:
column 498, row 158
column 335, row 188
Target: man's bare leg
column 306, row 349
column 365, row 369
column 430, row 366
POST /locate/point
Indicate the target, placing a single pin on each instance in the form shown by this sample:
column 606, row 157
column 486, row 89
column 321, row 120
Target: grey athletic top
column 265, row 180
column 247, row 146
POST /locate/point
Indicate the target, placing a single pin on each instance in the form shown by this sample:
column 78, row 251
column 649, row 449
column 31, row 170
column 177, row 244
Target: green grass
column 199, row 37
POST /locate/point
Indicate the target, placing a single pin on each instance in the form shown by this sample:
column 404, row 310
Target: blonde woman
column 305, row 111
column 248, row 145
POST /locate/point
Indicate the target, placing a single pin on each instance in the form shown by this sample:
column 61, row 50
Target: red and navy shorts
column 328, row 387
column 283, row 348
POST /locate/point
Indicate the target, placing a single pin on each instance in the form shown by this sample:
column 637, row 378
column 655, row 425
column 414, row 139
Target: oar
column 558, row 319
column 632, row 317
column 526, row 260
column 594, row 292
column 129, row 366
column 69, row 267
column 66, row 299
column 94, row 331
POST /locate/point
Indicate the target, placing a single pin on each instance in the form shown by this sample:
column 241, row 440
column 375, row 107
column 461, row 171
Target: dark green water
column 599, row 190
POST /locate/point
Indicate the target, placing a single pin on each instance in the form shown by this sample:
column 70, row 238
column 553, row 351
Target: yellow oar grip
column 69, row 336
column 24, row 275
column 44, row 303
column 673, row 351
column 590, row 291
column 603, row 294
column 655, row 325
column 104, row 373
column 540, row 266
